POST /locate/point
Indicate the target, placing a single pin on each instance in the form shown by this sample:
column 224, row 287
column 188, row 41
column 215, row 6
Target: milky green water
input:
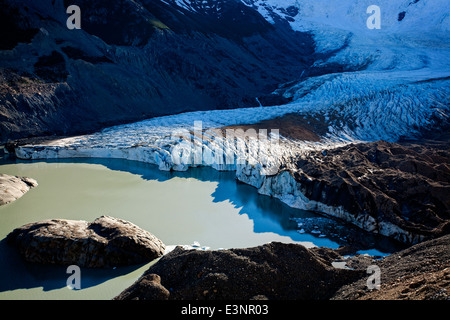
column 202, row 205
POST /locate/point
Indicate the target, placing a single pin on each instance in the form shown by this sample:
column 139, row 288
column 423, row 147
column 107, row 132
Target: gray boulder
column 13, row 187
column 105, row 242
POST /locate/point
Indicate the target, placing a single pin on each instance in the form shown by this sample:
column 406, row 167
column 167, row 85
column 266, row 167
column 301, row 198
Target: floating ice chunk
column 340, row 265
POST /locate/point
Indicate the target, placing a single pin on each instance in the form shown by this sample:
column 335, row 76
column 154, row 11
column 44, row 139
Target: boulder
column 105, row 242
column 13, row 187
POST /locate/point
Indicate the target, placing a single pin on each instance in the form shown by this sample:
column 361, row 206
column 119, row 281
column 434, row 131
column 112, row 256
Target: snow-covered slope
column 332, row 22
column 409, row 29
column 414, row 34
column 351, row 15
column 402, row 85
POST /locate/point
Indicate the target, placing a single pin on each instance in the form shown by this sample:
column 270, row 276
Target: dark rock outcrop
column 105, row 242
column 13, row 187
column 271, row 271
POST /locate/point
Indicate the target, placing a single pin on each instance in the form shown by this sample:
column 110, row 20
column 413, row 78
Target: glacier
column 394, row 84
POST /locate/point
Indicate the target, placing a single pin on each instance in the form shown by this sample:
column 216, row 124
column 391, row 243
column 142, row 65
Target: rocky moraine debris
column 397, row 190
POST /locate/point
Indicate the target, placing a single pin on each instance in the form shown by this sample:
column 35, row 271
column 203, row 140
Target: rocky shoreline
column 278, row 271
column 273, row 271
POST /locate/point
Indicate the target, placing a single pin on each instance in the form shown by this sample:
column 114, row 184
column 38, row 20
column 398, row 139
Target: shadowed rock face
column 16, row 28
column 105, row 242
column 270, row 271
column 12, row 187
column 133, row 60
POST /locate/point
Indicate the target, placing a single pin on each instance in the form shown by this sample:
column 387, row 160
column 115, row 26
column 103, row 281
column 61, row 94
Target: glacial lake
column 201, row 205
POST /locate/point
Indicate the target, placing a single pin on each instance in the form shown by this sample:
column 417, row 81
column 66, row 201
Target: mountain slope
column 140, row 59
column 137, row 59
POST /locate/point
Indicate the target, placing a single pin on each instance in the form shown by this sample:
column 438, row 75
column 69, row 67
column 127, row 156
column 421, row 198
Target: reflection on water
column 201, row 205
